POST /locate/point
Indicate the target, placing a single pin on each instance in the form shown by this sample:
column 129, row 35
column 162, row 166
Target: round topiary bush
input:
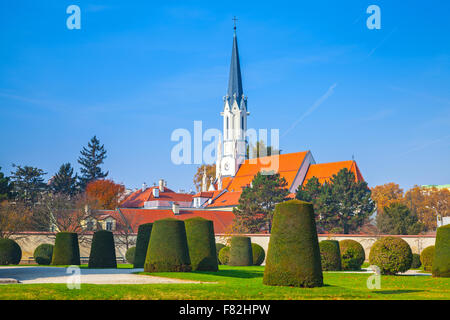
column 129, row 255
column 258, row 254
column 241, row 251
column 219, row 246
column 293, row 257
column 168, row 249
column 143, row 238
column 330, row 255
column 103, row 250
column 10, row 252
column 43, row 254
column 224, row 255
column 392, row 255
column 441, row 261
column 352, row 254
column 426, row 257
column 66, row 250
column 416, row 261
column 201, row 244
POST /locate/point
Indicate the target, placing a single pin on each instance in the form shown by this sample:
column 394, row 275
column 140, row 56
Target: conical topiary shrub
column 241, row 251
column 130, row 254
column 168, row 249
column 441, row 260
column 219, row 246
column 201, row 244
column 103, row 250
column 258, row 254
column 426, row 257
column 10, row 252
column 43, row 254
column 330, row 255
column 143, row 238
column 293, row 256
column 352, row 254
column 66, row 250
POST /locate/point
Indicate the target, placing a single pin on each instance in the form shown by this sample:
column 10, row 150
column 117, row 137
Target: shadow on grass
column 244, row 274
column 397, row 291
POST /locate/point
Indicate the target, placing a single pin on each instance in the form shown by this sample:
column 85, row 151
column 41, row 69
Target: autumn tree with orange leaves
column 106, row 193
column 386, row 194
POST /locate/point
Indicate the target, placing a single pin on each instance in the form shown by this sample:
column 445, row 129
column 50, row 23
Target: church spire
column 235, row 79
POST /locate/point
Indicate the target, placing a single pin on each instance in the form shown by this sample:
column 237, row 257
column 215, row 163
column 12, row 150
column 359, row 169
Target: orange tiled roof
column 324, row 171
column 204, row 194
column 137, row 198
column 222, row 220
column 287, row 165
column 227, row 199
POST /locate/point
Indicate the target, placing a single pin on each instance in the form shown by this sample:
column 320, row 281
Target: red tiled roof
column 324, row 171
column 222, row 219
column 227, row 199
column 137, row 198
column 205, row 194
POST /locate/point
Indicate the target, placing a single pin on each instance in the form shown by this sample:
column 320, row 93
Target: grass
column 242, row 283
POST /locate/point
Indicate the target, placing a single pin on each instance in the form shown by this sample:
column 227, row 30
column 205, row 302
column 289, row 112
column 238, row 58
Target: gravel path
column 93, row 276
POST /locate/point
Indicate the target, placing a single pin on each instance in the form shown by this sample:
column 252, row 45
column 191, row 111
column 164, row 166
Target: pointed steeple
column 235, row 79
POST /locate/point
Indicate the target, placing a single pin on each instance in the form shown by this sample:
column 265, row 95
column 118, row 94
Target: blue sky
column 136, row 72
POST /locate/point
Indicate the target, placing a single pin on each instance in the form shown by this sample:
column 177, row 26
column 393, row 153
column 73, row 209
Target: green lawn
column 242, row 283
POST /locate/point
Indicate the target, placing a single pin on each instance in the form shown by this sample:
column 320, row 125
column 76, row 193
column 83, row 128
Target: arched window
column 242, row 122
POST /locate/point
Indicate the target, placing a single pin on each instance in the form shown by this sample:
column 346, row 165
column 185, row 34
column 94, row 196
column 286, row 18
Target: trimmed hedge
column 426, row 257
column 241, row 251
column 392, row 255
column 143, row 238
column 103, row 250
column 129, row 255
column 330, row 255
column 441, row 261
column 224, row 255
column 219, row 246
column 168, row 249
column 66, row 250
column 352, row 255
column 201, row 244
column 293, row 257
column 258, row 254
column 43, row 254
column 416, row 261
column 10, row 252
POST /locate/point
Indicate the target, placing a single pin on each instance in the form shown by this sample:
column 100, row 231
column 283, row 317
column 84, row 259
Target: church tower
column 234, row 121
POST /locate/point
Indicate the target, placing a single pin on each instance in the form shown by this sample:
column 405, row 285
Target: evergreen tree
column 398, row 219
column 28, row 184
column 64, row 181
column 5, row 187
column 257, row 202
column 90, row 160
column 341, row 205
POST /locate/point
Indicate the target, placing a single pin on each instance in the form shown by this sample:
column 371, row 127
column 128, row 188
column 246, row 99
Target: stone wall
column 29, row 241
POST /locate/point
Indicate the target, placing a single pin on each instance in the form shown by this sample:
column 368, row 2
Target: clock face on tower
column 227, row 167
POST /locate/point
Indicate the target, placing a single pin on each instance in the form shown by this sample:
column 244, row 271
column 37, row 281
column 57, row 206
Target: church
column 234, row 171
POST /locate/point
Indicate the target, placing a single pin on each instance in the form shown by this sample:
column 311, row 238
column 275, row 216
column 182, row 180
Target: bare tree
column 14, row 218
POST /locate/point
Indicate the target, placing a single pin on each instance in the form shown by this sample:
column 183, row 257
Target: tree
column 341, row 205
column 28, row 184
column 14, row 217
column 260, row 150
column 5, row 187
column 64, row 181
column 90, row 160
column 257, row 202
column 385, row 194
column 210, row 172
column 106, row 193
column 398, row 219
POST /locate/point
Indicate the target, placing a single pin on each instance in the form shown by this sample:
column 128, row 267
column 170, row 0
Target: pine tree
column 257, row 202
column 398, row 219
column 28, row 184
column 64, row 181
column 5, row 187
column 90, row 160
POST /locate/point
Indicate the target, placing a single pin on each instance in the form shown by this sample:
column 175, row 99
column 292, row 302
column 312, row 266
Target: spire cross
column 234, row 20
